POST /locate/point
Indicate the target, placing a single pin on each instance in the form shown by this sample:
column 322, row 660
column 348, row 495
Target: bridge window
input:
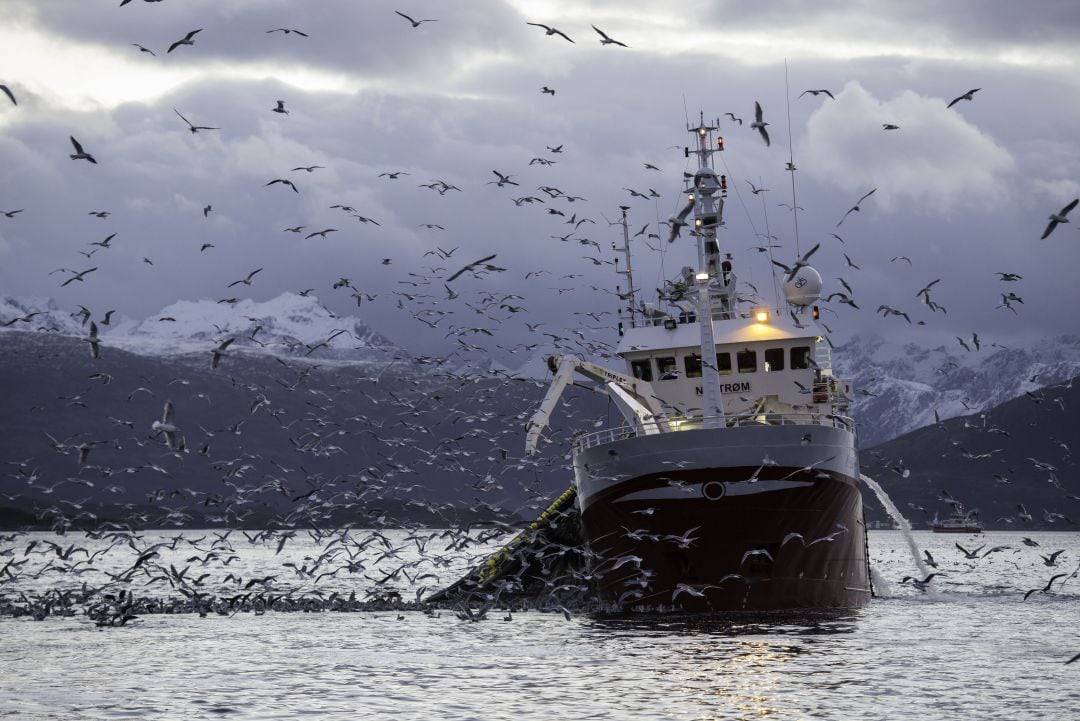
column 774, row 359
column 723, row 364
column 642, row 369
column 747, row 361
column 692, row 366
column 666, row 368
column 800, row 358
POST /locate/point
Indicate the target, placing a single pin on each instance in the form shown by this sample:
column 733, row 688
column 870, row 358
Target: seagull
column 754, row 190
column 78, row 275
column 921, row 585
column 284, row 182
column 1046, row 588
column 1009, row 276
column 81, row 154
column 11, row 213
column 970, row 554
column 855, row 208
column 219, row 351
column 309, row 168
column 800, row 263
column 247, row 280
column 280, row 108
column 547, row 91
column 889, row 126
column 733, row 118
column 167, row 426
column 206, row 210
column 471, row 266
column 186, row 40
column 605, row 40
column 415, row 23
column 815, row 93
column 104, row 243
column 1054, row 219
column 321, row 233
column 760, row 124
column 194, row 128
column 11, row 95
column 287, row 31
column 502, row 179
column 969, row 95
column 95, row 350
column 553, row 31
column 394, row 175
column 145, row 50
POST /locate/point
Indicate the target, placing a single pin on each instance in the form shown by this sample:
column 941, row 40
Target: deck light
column 761, row 315
column 702, row 276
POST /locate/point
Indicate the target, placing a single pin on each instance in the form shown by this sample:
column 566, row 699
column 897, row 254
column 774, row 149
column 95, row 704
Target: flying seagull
column 80, row 154
column 759, row 124
column 889, row 126
column 800, row 263
column 219, row 351
column 11, row 95
column 415, row 23
column 247, row 280
column 553, row 31
column 167, row 425
column 815, row 93
column 1054, row 219
column 471, row 266
column 287, row 31
column 145, row 50
column 605, row 40
column 855, row 208
column 186, row 40
column 194, row 128
column 95, row 349
column 280, row 107
column 969, row 95
column 283, row 181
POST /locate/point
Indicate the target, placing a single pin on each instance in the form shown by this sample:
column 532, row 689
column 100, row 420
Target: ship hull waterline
column 725, row 520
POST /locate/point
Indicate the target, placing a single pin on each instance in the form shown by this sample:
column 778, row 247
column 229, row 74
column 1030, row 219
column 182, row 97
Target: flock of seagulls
column 119, row 608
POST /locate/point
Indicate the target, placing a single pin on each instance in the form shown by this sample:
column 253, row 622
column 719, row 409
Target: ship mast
column 707, row 194
column 630, row 293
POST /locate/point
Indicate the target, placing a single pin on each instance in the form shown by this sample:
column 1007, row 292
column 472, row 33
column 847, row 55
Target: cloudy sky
column 963, row 193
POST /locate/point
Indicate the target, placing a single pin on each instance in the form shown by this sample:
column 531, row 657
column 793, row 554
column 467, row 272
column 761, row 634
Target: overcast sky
column 963, row 193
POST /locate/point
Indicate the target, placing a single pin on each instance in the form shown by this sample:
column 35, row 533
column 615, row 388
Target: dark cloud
column 964, row 193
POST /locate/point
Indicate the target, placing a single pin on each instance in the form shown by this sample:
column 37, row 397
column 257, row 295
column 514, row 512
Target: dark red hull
column 799, row 545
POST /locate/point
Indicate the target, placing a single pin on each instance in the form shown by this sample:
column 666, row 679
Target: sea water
column 973, row 648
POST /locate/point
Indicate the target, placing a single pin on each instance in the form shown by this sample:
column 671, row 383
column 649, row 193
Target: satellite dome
column 804, row 288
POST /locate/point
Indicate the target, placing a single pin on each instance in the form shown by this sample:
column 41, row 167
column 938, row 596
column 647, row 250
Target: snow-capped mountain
column 900, row 387
column 288, row 325
column 40, row 314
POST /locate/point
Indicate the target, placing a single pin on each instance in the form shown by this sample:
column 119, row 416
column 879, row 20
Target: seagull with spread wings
column 188, row 39
column 605, row 40
column 855, row 208
column 471, row 266
column 548, row 30
column 191, row 127
column 1054, row 218
column 415, row 23
column 759, row 124
column 79, row 153
column 969, row 95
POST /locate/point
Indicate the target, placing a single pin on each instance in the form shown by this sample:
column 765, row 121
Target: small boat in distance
column 958, row 521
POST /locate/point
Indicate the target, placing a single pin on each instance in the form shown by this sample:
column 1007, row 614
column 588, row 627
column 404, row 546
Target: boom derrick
column 633, row 397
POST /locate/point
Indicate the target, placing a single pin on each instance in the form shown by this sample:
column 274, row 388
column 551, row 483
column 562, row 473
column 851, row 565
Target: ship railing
column 690, row 423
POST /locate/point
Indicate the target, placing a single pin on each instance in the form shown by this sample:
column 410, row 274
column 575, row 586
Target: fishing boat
column 959, row 521
column 731, row 481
